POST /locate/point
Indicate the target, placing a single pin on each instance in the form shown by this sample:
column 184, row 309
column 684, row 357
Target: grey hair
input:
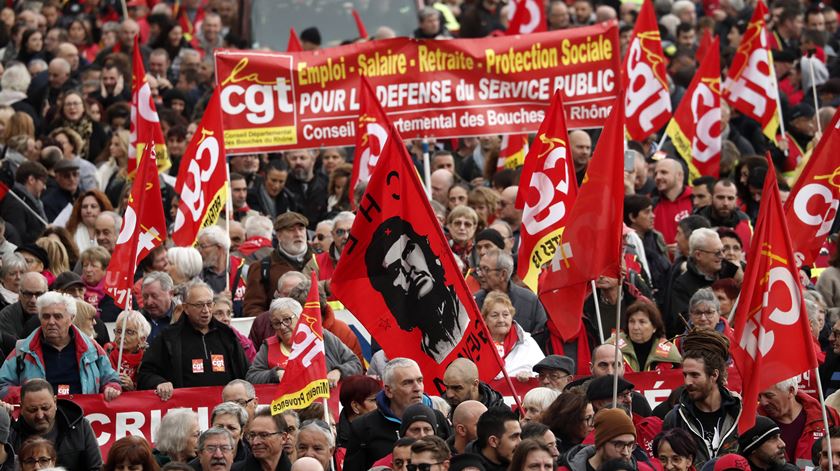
column 143, row 326
column 217, row 235
column 16, row 78
column 293, row 414
column 288, row 304
column 191, row 285
column 291, row 274
column 812, row 308
column 787, row 384
column 230, row 408
column 13, row 261
column 174, row 428
column 541, row 396
column 314, row 425
column 681, row 5
column 54, row 297
column 427, row 12
column 704, row 296
column 161, row 277
column 214, row 432
column 249, row 388
column 258, row 225
column 115, row 217
column 184, row 52
column 699, row 237
column 328, row 223
column 344, row 216
column 505, row 262
column 399, row 362
column 187, row 259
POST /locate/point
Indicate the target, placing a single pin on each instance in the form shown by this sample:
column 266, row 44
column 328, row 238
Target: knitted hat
column 417, row 413
column 493, row 236
column 763, row 430
column 731, row 461
column 610, row 423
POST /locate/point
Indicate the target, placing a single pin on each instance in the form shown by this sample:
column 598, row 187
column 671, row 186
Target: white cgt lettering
column 643, row 85
column 546, row 188
column 258, row 100
column 804, row 197
column 369, row 158
column 704, row 146
column 199, row 171
column 742, row 89
column 782, row 275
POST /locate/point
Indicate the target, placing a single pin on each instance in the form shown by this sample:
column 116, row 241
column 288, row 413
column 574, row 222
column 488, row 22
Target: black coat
column 16, row 214
column 683, row 288
column 76, row 445
column 312, row 202
column 251, row 464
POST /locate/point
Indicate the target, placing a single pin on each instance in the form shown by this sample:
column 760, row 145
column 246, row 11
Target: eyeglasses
column 30, row 294
column 202, row 305
column 479, row 270
column 421, row 466
column 341, row 232
column 212, row 449
column 320, row 236
column 553, row 376
column 128, row 332
column 261, row 435
column 206, row 246
column 43, row 461
column 243, row 402
column 620, row 445
column 717, row 253
column 709, row 314
column 276, row 324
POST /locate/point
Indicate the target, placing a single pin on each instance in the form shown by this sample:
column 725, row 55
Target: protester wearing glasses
column 339, row 234
column 266, row 436
column 233, row 418
column 136, row 329
column 196, row 351
column 570, row 417
column 216, row 449
column 21, row 318
column 242, row 393
column 615, row 439
column 429, row 454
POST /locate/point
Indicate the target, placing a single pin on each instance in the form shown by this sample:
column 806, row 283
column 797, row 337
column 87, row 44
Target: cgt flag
column 771, row 325
column 812, row 206
column 695, row 128
column 371, row 135
column 143, row 229
column 646, row 100
column 528, row 16
column 546, row 195
column 590, row 245
column 145, row 123
column 513, row 151
column 202, row 178
column 305, row 376
column 750, row 87
column 398, row 276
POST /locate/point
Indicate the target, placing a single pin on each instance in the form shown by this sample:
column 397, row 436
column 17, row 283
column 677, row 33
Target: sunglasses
column 421, row 467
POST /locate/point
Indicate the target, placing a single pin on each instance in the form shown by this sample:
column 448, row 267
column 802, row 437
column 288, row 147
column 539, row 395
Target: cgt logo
column 244, row 91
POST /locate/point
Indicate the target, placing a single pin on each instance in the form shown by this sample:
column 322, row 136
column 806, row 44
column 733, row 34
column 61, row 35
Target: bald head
column 307, row 463
column 581, row 145
column 461, row 381
column 464, row 421
column 668, row 176
column 464, row 368
column 70, row 53
column 442, row 180
column 603, row 361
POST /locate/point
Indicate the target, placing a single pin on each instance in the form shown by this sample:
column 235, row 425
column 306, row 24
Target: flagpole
column 122, row 336
column 598, row 311
column 778, row 99
column 814, row 90
column 38, row 216
column 824, row 416
column 327, row 421
column 662, row 141
column 617, row 350
column 228, row 215
column 427, row 171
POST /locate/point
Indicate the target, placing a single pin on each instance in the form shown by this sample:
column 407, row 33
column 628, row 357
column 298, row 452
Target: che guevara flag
column 750, row 86
column 512, row 152
column 143, row 229
column 547, row 192
column 202, row 177
column 398, row 276
column 812, row 205
column 145, row 123
column 695, row 128
column 771, row 324
column 590, row 245
column 371, row 135
column 305, row 376
column 528, row 17
column 647, row 102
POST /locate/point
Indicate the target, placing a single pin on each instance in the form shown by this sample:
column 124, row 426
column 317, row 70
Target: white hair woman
column 177, row 437
column 136, row 329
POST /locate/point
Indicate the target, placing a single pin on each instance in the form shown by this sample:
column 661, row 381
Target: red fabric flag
column 398, row 276
column 305, row 376
column 751, row 86
column 294, row 42
column 202, row 177
column 145, row 124
column 646, row 100
column 695, row 129
column 143, row 229
column 513, row 151
column 360, row 26
column 547, row 192
column 771, row 325
column 704, row 45
column 590, row 245
column 372, row 135
column 528, row 16
column 812, row 205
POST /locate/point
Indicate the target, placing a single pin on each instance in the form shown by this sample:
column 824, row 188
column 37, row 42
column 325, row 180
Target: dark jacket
column 259, row 292
column 372, row 435
column 16, row 213
column 530, row 313
column 311, row 196
column 55, row 199
column 577, row 457
column 473, row 448
column 251, row 464
column 489, row 396
column 163, row 360
column 76, row 445
column 684, row 287
column 16, row 322
column 683, row 416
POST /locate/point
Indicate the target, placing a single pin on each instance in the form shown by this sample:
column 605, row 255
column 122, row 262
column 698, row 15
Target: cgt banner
column 448, row 88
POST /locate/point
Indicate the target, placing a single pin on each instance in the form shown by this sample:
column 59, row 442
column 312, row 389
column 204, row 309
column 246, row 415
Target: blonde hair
column 56, row 253
column 84, row 318
column 496, row 297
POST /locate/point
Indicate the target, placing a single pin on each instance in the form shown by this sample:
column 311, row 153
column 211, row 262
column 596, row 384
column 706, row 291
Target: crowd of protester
column 65, row 93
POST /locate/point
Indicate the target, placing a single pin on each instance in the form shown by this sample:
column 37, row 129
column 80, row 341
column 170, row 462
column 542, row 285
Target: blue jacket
column 27, row 362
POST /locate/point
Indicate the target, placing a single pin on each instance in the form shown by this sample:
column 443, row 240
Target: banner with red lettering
column 449, row 88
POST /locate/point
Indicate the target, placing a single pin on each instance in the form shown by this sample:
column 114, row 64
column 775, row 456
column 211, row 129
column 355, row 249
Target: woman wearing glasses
column 36, row 453
column 704, row 314
column 570, row 417
column 137, row 330
column 642, row 339
column 131, row 453
column 675, row 450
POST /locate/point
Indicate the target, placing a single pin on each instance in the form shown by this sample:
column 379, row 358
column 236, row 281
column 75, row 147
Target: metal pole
column 598, row 311
column 617, row 350
column 38, row 216
column 814, row 91
column 825, row 419
column 427, row 169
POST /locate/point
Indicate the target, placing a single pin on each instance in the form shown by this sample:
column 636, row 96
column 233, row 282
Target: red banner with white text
column 448, row 88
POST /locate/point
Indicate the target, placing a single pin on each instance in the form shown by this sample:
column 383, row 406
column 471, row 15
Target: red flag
column 360, row 26
column 143, row 229
column 294, row 42
column 513, row 151
column 372, row 135
column 145, row 124
column 398, row 276
column 305, row 376
column 547, row 192
column 646, row 100
column 751, row 85
column 202, row 177
column 528, row 16
column 812, row 205
column 703, row 47
column 771, row 324
column 590, row 245
column 695, row 129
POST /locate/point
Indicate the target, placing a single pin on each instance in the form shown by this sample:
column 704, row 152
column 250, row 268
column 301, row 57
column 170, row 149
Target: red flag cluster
column 145, row 124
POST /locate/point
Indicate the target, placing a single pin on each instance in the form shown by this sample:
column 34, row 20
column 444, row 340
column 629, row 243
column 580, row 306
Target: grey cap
column 556, row 362
column 65, row 165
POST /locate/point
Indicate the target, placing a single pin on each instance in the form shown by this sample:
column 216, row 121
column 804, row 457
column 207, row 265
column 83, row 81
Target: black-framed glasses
column 620, row 445
column 202, row 305
column 30, row 294
column 717, row 253
column 43, row 461
column 421, row 466
column 212, row 449
column 244, row 402
column 251, row 436
column 276, row 324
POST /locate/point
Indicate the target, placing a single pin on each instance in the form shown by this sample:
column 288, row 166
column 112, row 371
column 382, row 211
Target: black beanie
column 418, row 413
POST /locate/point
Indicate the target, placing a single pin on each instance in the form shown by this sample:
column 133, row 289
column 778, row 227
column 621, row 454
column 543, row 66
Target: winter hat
column 731, row 461
column 753, row 438
column 610, row 423
column 493, row 236
column 464, row 461
column 602, row 387
column 417, row 413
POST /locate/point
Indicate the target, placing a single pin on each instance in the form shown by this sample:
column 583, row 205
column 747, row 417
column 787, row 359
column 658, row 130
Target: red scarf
column 252, row 244
column 556, row 342
column 509, row 342
column 276, row 357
